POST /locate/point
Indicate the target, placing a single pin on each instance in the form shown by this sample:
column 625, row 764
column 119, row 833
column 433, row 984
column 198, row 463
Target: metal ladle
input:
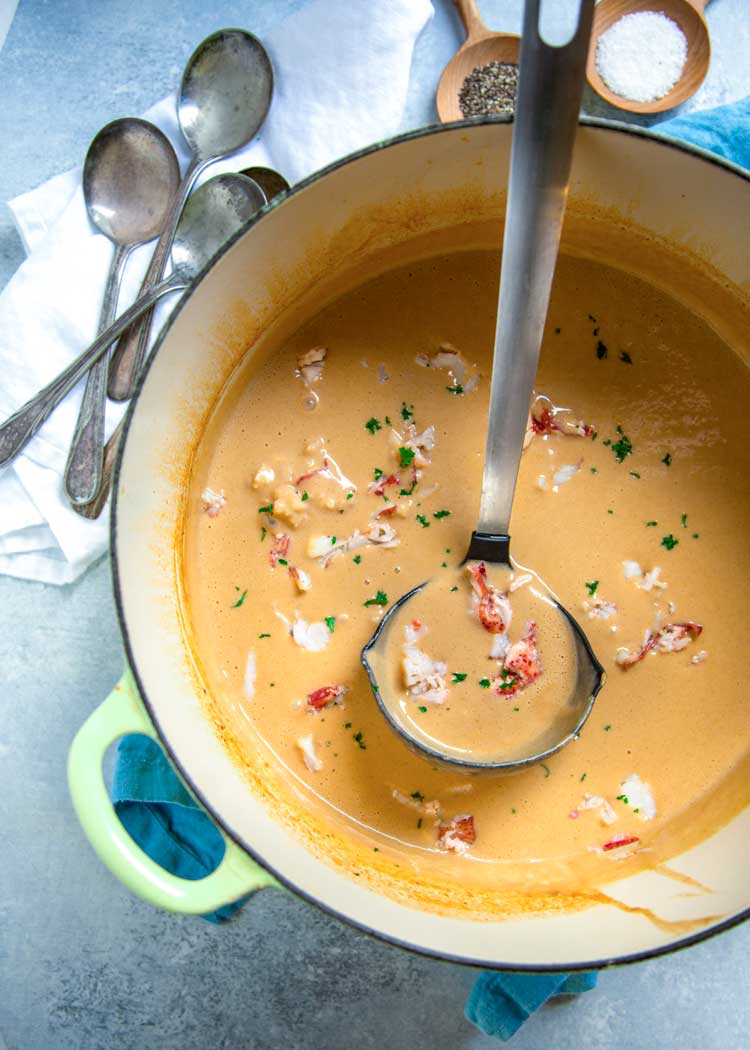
column 130, row 177
column 213, row 214
column 549, row 98
column 224, row 97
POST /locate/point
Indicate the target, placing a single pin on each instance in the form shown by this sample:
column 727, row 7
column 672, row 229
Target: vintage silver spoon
column 215, row 212
column 549, row 98
column 130, row 176
column 223, row 99
column 272, row 184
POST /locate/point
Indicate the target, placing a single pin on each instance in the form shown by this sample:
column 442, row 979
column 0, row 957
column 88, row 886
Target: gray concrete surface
column 83, row 964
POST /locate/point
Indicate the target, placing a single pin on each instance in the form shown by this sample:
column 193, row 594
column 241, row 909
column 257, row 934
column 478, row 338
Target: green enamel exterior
column 121, row 713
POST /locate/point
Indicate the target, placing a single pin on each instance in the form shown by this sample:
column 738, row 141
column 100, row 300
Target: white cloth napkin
column 342, row 73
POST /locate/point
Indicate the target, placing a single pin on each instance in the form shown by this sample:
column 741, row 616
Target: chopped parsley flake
column 423, row 521
column 650, row 524
column 263, row 534
column 406, row 413
column 283, row 561
column 622, row 798
column 419, row 823
column 240, row 600
column 623, row 447
column 441, row 514
column 408, row 492
column 305, row 497
column 545, row 768
column 388, row 421
column 333, row 540
column 357, row 559
column 264, row 635
column 601, row 350
column 683, row 519
column 457, row 389
column 423, row 710
column 594, row 470
column 347, row 725
column 406, row 455
column 268, row 509
column 381, row 598
column 350, row 495
column 669, row 541
column 459, row 677
column 625, row 357
column 418, row 796
column 359, row 737
column 453, row 589
column 331, row 623
column 377, row 473
column 696, row 535
column 607, row 727
column 583, row 777
column 373, row 425
column 484, row 682
column 591, row 587
column 667, row 461
column 634, row 474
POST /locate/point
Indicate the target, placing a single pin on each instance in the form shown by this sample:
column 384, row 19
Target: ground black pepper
column 489, row 89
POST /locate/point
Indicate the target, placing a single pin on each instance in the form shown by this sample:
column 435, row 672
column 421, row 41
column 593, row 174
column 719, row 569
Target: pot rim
column 616, row 126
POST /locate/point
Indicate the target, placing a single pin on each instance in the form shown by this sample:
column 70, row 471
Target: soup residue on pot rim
column 342, row 467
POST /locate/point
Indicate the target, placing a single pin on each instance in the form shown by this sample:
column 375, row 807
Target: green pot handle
column 237, row 874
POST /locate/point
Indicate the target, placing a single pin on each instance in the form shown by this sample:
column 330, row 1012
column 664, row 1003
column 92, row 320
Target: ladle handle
column 550, row 89
column 472, row 20
column 19, row 428
column 128, row 355
column 83, row 471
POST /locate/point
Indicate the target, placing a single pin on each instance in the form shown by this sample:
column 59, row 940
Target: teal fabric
column 165, row 821
column 724, row 130
column 159, row 814
column 501, row 1002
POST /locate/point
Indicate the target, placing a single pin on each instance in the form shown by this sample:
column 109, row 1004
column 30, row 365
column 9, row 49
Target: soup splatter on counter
column 342, row 467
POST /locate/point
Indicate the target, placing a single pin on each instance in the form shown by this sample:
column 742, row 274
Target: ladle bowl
column 688, row 15
column 589, row 680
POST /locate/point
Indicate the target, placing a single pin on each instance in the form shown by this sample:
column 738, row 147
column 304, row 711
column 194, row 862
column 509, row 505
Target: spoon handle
column 127, row 356
column 19, row 428
column 472, row 20
column 549, row 98
column 94, row 508
column 83, row 470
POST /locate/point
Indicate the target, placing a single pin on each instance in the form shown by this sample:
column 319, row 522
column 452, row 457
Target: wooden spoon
column 480, row 47
column 688, row 14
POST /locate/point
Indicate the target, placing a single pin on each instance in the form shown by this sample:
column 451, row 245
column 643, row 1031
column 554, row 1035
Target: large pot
column 389, row 194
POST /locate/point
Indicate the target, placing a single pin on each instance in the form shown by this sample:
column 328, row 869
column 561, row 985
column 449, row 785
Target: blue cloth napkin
column 165, row 821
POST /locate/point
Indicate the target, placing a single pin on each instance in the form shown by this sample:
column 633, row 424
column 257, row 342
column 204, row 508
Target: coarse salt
column 641, row 57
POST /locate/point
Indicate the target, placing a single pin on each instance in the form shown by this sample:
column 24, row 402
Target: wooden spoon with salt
column 689, row 16
column 481, row 47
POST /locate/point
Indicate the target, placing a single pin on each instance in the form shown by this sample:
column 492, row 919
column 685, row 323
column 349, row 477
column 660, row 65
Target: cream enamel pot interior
column 388, row 195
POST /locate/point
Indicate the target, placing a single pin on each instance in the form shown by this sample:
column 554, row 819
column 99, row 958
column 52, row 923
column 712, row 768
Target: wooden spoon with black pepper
column 481, row 47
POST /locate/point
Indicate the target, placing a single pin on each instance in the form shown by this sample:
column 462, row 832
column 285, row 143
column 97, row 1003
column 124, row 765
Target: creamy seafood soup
column 342, row 466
